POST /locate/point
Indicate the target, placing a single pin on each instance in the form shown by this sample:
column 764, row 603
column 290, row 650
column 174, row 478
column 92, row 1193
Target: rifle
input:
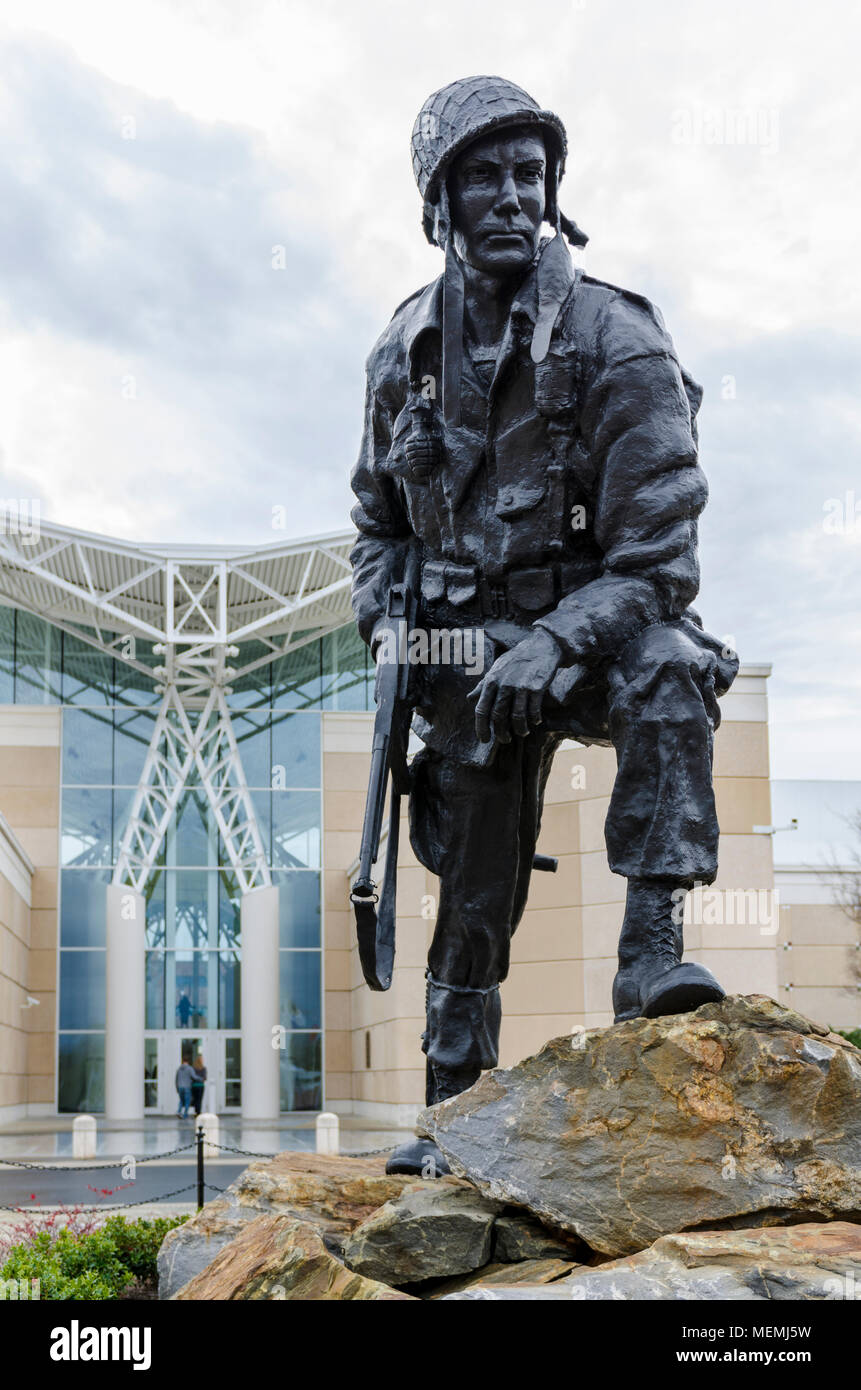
column 376, row 929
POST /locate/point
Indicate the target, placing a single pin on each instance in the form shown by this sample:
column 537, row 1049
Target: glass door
column 219, row 1052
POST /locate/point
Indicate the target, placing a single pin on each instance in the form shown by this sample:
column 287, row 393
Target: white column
column 259, row 1003
column 84, row 1136
column 125, row 986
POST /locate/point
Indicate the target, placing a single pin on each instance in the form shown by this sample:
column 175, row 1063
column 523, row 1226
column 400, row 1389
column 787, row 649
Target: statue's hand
column 509, row 697
column 422, row 453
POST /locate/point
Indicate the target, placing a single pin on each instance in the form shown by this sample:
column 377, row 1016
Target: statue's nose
column 507, row 199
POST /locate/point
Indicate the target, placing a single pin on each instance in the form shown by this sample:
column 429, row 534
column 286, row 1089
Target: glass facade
column 193, row 935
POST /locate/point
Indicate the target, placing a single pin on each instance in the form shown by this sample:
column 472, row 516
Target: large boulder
column 429, row 1232
column 808, row 1263
column 518, row 1237
column 486, row 1281
column 332, row 1194
column 741, row 1113
column 275, row 1258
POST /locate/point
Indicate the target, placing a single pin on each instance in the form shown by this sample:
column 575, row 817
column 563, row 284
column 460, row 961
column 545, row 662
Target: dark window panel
column 132, row 733
column 7, row 656
column 190, row 1005
column 155, row 989
column 296, row 830
column 254, row 741
column 301, row 1073
column 299, row 907
column 82, row 989
column 229, row 910
column 38, row 671
column 88, row 737
column 297, row 679
column 81, row 1073
column 88, row 674
column 154, row 892
column 347, row 674
column 194, row 890
column 296, row 758
column 132, row 686
column 229, row 970
column 83, row 903
column 300, row 981
column 86, row 826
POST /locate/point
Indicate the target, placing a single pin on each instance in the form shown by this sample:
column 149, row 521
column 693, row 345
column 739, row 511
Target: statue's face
column 497, row 193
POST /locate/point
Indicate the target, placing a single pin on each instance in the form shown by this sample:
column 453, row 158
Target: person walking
column 198, row 1084
column 184, row 1083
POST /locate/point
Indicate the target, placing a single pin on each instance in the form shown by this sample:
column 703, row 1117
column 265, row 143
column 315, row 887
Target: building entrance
column 222, row 1056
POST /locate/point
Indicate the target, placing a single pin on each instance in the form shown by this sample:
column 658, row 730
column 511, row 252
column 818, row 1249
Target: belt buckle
column 499, row 600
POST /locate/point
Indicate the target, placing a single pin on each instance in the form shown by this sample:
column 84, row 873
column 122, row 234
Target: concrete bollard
column 83, row 1137
column 209, row 1124
column 328, row 1137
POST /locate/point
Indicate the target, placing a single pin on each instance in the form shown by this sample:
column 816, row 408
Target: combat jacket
column 569, row 495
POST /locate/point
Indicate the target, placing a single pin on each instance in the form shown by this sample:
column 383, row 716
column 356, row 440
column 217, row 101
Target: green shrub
column 852, row 1035
column 95, row 1266
column 138, row 1242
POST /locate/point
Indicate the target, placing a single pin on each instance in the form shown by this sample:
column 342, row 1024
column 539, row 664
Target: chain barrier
column 150, row 1201
column 90, row 1167
column 116, row 1206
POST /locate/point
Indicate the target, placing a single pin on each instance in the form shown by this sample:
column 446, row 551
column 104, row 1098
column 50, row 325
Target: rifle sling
column 376, row 930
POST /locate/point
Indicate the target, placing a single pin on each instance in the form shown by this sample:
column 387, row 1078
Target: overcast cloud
column 207, row 215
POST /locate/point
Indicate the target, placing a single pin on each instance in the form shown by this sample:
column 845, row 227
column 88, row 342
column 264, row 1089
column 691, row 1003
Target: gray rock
column 329, row 1192
column 521, row 1237
column 815, row 1262
column 741, row 1113
column 429, row 1232
column 494, row 1276
column 188, row 1249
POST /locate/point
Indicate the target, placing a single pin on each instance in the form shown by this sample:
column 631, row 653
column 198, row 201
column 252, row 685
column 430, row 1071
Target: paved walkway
column 50, row 1139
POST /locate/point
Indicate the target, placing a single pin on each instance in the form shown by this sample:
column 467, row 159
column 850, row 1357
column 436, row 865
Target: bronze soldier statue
column 530, row 447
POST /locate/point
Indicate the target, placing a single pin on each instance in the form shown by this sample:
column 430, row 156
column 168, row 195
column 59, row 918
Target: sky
column 207, row 216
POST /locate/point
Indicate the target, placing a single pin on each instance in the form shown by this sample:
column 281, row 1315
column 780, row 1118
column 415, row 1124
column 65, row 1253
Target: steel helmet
column 458, row 114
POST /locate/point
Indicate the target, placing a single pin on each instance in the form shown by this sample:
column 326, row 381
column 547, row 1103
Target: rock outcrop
column 429, row 1232
column 332, row 1194
column 276, row 1258
column 808, row 1263
column 739, row 1114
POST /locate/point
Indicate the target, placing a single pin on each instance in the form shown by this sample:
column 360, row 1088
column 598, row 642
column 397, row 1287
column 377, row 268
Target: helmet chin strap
column 452, row 314
column 555, row 276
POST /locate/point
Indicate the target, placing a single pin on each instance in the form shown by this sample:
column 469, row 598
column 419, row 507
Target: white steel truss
column 183, row 739
column 106, row 591
column 194, row 606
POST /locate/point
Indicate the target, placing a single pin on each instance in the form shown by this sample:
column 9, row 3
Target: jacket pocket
column 531, row 589
column 522, row 455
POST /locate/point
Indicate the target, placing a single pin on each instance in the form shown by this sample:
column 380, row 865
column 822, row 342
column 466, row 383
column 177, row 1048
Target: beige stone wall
column 30, row 802
column 819, row 955
column 383, row 1028
column 563, row 955
column 15, row 876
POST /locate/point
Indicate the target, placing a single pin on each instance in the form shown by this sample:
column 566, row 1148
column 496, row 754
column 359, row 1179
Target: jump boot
column 652, row 980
